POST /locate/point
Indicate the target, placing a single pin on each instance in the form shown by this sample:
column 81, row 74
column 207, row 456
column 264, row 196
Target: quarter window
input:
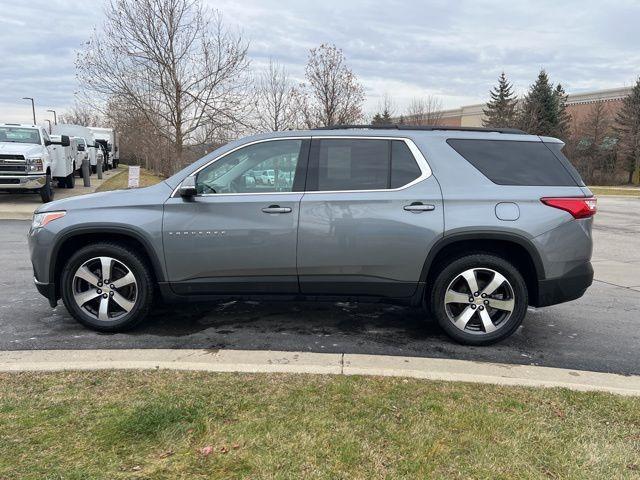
column 360, row 164
column 258, row 168
column 509, row 162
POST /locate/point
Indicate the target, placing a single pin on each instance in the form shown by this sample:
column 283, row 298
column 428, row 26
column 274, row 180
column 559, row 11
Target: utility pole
column 49, row 121
column 55, row 118
column 33, row 108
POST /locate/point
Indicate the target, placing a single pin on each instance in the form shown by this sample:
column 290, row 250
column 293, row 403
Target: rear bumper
column 568, row 287
column 29, row 182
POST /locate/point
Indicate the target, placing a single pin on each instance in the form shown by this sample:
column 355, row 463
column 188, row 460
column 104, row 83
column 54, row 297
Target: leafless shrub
column 424, row 111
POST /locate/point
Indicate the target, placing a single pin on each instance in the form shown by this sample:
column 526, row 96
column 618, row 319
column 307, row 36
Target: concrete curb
column 317, row 363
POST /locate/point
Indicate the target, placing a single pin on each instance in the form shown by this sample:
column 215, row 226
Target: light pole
column 49, row 121
column 55, row 118
column 33, row 108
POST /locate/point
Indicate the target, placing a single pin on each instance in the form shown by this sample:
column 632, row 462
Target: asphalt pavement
column 599, row 332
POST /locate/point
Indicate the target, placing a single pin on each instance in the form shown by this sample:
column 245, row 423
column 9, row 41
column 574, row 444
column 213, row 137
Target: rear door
column 370, row 213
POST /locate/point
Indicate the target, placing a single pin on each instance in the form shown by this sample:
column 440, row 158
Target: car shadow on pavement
column 389, row 324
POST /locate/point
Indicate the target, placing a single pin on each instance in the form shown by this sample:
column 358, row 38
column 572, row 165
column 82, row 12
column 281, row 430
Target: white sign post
column 134, row 176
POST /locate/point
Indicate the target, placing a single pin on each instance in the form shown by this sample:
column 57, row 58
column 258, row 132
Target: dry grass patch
column 163, row 424
column 120, row 181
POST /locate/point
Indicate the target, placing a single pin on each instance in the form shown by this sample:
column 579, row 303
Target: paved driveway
column 598, row 332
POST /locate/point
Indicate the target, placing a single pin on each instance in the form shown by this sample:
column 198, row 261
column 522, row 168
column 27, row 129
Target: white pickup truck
column 26, row 163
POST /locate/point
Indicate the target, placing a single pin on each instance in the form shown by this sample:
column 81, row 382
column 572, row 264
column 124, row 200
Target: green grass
column 631, row 192
column 121, row 180
column 154, row 424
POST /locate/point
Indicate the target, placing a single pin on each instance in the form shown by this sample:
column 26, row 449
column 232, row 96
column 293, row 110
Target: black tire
column 475, row 333
column 144, row 288
column 46, row 192
column 70, row 181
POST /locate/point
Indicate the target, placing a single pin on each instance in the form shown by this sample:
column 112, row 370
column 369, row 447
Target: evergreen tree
column 562, row 128
column 383, row 118
column 628, row 130
column 501, row 109
column 539, row 112
column 386, row 117
column 377, row 119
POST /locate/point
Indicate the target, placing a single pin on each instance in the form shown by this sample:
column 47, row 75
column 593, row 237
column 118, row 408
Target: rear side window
column 507, row 162
column 404, row 168
column 355, row 164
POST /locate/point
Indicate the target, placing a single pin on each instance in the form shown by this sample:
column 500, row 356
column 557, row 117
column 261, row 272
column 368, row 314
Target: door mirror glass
column 188, row 187
column 65, row 141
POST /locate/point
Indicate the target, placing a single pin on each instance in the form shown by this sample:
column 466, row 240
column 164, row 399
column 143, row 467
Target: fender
column 118, row 229
column 484, row 235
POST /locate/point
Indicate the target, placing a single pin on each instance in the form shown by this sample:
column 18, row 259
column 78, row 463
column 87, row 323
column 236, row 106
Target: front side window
column 360, row 164
column 259, row 168
column 19, row 135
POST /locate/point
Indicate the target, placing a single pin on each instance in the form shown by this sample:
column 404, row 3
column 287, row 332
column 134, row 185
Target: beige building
column 578, row 104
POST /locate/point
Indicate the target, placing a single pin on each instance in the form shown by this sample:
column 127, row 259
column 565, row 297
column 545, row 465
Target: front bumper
column 47, row 290
column 23, row 182
column 568, row 287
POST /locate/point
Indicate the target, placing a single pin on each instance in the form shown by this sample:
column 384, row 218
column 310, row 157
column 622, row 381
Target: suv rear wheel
column 479, row 299
column 107, row 287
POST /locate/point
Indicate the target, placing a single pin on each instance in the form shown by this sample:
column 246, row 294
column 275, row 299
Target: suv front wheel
column 479, row 299
column 107, row 287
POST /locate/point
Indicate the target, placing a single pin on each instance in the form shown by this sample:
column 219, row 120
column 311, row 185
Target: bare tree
column 174, row 62
column 387, row 105
column 276, row 105
column 592, row 152
column 628, row 130
column 332, row 94
column 424, row 111
column 81, row 114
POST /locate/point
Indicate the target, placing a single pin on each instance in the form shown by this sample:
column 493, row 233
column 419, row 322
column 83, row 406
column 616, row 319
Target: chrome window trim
column 419, row 158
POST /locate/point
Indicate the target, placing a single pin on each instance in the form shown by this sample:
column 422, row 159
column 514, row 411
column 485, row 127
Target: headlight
column 41, row 219
column 34, row 165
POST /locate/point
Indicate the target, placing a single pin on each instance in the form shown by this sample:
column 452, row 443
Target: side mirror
column 65, row 141
column 188, row 187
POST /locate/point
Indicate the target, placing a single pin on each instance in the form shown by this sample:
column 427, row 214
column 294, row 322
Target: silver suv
column 473, row 224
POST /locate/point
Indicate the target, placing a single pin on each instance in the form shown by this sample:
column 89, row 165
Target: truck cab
column 25, row 159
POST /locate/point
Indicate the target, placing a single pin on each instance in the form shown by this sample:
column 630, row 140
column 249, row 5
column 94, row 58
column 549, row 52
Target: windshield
column 20, row 135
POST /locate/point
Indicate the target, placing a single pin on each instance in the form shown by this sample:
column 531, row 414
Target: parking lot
column 598, row 332
column 20, row 206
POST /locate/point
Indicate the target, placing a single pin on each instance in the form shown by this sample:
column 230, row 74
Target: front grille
column 12, row 169
column 9, row 181
column 12, row 164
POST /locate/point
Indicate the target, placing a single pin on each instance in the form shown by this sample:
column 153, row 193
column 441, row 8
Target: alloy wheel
column 479, row 301
column 105, row 288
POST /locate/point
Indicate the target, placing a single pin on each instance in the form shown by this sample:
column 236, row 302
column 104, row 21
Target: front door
column 371, row 213
column 239, row 233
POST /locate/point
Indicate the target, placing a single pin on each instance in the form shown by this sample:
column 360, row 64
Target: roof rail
column 423, row 127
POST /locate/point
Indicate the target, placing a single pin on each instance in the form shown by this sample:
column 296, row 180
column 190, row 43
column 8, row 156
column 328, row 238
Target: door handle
column 418, row 207
column 276, row 209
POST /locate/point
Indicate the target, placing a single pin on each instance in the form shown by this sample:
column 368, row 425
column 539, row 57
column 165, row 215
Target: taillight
column 579, row 207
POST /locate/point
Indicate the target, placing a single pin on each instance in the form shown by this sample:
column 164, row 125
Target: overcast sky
column 452, row 49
